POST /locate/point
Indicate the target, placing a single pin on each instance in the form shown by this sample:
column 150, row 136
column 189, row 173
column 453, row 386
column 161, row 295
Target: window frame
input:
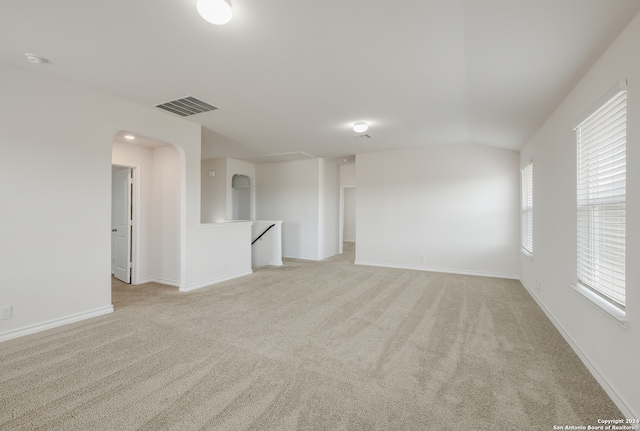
column 526, row 209
column 601, row 205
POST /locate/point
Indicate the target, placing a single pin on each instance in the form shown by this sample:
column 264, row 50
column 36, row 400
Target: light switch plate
column 5, row 312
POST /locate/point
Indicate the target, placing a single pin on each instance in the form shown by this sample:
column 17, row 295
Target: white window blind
column 601, row 193
column 526, row 208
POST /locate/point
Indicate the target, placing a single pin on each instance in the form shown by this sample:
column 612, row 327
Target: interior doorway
column 347, row 227
column 241, row 198
column 156, row 208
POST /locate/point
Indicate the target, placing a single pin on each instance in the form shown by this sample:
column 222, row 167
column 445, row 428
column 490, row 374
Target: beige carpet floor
column 307, row 346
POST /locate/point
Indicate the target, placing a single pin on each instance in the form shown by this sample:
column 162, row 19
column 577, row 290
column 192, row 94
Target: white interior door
column 122, row 228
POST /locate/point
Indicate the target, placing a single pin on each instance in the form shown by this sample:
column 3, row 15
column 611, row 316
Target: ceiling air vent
column 186, row 106
column 362, row 136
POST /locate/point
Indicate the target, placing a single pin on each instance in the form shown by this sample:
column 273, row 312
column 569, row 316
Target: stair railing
column 265, row 231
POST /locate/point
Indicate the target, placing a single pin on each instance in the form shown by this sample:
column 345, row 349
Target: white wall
column 348, row 174
column 213, row 193
column 304, row 194
column 441, row 208
column 165, row 216
column 609, row 350
column 217, row 192
column 239, row 167
column 349, row 227
column 218, row 252
column 289, row 191
column 55, row 165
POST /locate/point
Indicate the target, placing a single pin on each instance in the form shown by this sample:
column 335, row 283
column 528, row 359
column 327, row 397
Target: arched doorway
column 241, row 189
column 155, row 207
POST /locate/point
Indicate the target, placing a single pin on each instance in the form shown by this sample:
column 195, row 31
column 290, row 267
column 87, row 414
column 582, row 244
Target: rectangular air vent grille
column 186, row 106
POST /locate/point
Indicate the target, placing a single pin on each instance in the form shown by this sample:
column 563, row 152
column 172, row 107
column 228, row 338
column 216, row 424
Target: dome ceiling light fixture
column 35, row 58
column 360, row 127
column 217, row 12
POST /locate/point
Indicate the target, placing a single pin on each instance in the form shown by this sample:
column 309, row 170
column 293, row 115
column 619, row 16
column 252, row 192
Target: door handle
column 114, row 230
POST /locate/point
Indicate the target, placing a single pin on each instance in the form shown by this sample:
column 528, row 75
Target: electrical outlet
column 538, row 285
column 423, row 258
column 5, row 312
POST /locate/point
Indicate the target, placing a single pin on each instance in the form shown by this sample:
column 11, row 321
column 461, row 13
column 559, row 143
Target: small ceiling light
column 360, row 127
column 129, row 137
column 215, row 11
column 36, row 59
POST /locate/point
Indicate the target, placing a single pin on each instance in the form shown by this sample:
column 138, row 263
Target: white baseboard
column 214, row 281
column 442, row 270
column 55, row 323
column 314, row 259
column 330, row 255
column 272, row 263
column 604, row 383
column 165, row 281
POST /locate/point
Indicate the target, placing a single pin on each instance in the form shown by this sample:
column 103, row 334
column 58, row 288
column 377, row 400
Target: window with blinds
column 526, row 209
column 601, row 193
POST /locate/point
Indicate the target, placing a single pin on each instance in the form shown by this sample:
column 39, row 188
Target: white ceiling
column 292, row 76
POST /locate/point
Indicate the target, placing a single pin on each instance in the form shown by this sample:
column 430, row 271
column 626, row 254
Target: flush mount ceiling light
column 360, row 127
column 34, row 58
column 215, row 11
